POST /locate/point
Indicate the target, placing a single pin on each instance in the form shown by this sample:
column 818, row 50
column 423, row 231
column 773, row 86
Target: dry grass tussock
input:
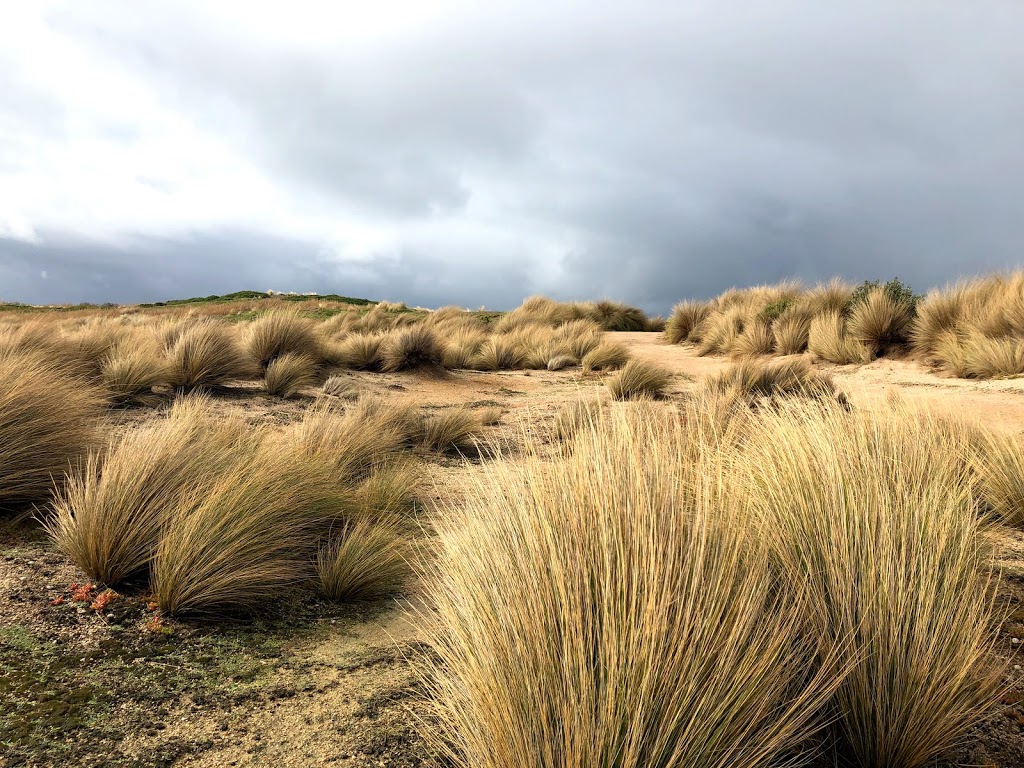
column 575, row 415
column 133, row 369
column 875, row 514
column 453, row 429
column 563, row 638
column 205, row 354
column 290, row 373
column 752, row 381
column 415, row 347
column 801, row 568
column 606, row 356
column 638, row 379
column 279, row 333
column 343, row 387
column 998, row 460
column 363, row 559
column 880, row 322
column 829, row 340
column 361, row 352
column 608, row 315
column 48, row 422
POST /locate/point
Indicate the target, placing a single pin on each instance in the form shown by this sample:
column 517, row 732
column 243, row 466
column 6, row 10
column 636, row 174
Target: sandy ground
column 350, row 686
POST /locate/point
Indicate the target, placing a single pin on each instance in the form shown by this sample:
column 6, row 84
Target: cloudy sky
column 476, row 153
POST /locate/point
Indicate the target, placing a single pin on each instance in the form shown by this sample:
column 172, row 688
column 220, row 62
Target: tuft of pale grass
column 999, row 463
column 461, row 348
column 488, row 417
column 248, row 537
column 612, row 608
column 607, row 356
column 561, row 362
column 361, row 352
column 880, row 321
column 497, row 353
column 287, row 374
column 638, row 379
column 756, row 339
column 685, row 316
column 575, row 415
column 792, row 332
column 874, row 514
column 751, row 380
column 828, row 340
column 131, row 371
column 656, row 324
column 414, row 347
column 278, row 333
column 341, row 386
column 205, row 354
column 719, row 331
column 109, row 516
column 49, row 421
column 987, row 358
column 364, row 559
column 617, row 316
column 453, row 429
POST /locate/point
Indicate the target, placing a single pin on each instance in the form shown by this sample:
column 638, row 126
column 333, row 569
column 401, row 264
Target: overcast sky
column 477, row 153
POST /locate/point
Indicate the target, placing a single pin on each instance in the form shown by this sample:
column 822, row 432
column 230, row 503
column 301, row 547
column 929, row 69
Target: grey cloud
column 666, row 149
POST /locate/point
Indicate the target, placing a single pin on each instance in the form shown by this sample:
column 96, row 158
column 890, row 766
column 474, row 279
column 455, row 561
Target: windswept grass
column 453, row 429
column 685, row 317
column 289, row 373
column 999, row 464
column 607, row 356
column 880, row 321
column 131, row 371
column 563, row 637
column 364, row 559
column 109, row 517
column 828, row 340
column 205, row 354
column 415, row 347
column 638, row 379
column 361, row 352
column 278, row 333
column 753, row 380
column 48, row 422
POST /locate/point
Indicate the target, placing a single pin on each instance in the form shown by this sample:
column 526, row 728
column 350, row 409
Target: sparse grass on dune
column 48, row 422
column 109, row 517
column 278, row 333
column 363, row 559
column 638, row 379
column 607, row 356
column 415, row 347
column 875, row 514
column 204, row 355
column 288, row 374
column 563, row 637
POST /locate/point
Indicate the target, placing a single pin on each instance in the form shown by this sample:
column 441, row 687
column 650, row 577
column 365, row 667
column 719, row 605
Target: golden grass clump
column 879, row 321
column 360, row 351
column 718, row 332
column 752, row 380
column 414, row 347
column 206, row 354
column 791, row 332
column 290, row 373
column 685, row 316
column 109, row 517
column 617, row 316
column 828, row 340
column 364, row 559
column 49, row 421
column 575, row 415
column 999, row 463
column 461, row 347
column 497, row 353
column 607, row 356
column 453, row 429
column 278, row 333
column 982, row 357
column 577, row 338
column 249, row 536
column 638, row 379
column 874, row 514
column 341, row 386
column 756, row 339
column 132, row 370
column 561, row 362
column 612, row 608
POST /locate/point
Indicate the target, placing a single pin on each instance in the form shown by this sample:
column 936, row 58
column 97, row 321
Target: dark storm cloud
column 647, row 152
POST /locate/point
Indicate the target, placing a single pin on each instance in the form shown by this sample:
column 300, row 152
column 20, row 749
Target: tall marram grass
column 875, row 515
column 610, row 608
column 49, row 421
